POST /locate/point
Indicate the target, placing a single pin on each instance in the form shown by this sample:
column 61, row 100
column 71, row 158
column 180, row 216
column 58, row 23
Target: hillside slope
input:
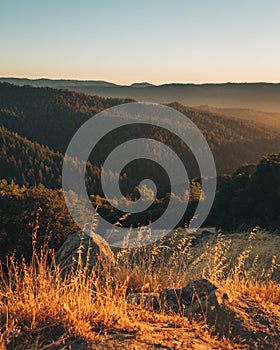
column 51, row 117
column 264, row 119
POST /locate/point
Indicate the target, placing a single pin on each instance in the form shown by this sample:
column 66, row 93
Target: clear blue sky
column 127, row 41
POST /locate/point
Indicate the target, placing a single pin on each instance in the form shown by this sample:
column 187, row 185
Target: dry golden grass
column 40, row 310
column 34, row 299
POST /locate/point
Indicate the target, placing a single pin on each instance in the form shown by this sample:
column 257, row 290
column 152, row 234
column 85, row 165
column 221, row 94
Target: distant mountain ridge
column 260, row 96
column 56, row 83
column 141, row 85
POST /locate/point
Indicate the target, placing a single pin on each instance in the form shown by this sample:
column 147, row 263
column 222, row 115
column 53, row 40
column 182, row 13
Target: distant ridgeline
column 259, row 96
column 36, row 125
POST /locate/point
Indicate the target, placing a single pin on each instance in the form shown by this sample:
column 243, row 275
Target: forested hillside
column 28, row 163
column 244, row 200
column 23, row 210
column 264, row 119
column 36, row 125
column 250, row 197
column 51, row 117
column 48, row 116
column 232, row 141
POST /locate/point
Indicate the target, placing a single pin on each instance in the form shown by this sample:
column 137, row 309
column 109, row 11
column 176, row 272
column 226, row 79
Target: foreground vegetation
column 40, row 310
column 248, row 198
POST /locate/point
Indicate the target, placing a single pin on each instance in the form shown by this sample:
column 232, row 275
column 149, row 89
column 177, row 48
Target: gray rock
column 176, row 300
column 206, row 233
column 202, row 301
column 181, row 300
column 87, row 249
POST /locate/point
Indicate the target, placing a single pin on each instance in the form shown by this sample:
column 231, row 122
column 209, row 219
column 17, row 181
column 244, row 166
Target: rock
column 235, row 318
column 215, row 309
column 232, row 318
column 206, row 233
column 179, row 300
column 175, row 300
column 90, row 249
column 201, row 300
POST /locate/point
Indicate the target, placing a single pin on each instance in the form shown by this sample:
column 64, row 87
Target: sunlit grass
column 34, row 296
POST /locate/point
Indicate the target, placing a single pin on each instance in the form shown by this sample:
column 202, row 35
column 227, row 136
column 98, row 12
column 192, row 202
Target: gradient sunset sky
column 131, row 41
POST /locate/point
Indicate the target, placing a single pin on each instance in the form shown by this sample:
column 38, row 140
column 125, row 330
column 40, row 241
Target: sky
column 128, row 41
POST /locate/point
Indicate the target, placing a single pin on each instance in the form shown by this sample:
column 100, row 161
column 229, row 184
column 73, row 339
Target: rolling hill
column 264, row 119
column 37, row 124
column 51, row 117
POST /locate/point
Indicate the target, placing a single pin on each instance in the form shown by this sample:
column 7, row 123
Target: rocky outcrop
column 183, row 299
column 236, row 318
column 86, row 250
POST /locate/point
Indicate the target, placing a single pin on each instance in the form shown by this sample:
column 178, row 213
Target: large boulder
column 86, row 250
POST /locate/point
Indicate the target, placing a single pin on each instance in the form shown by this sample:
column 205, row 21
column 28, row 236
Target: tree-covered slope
column 48, row 116
column 51, row 117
